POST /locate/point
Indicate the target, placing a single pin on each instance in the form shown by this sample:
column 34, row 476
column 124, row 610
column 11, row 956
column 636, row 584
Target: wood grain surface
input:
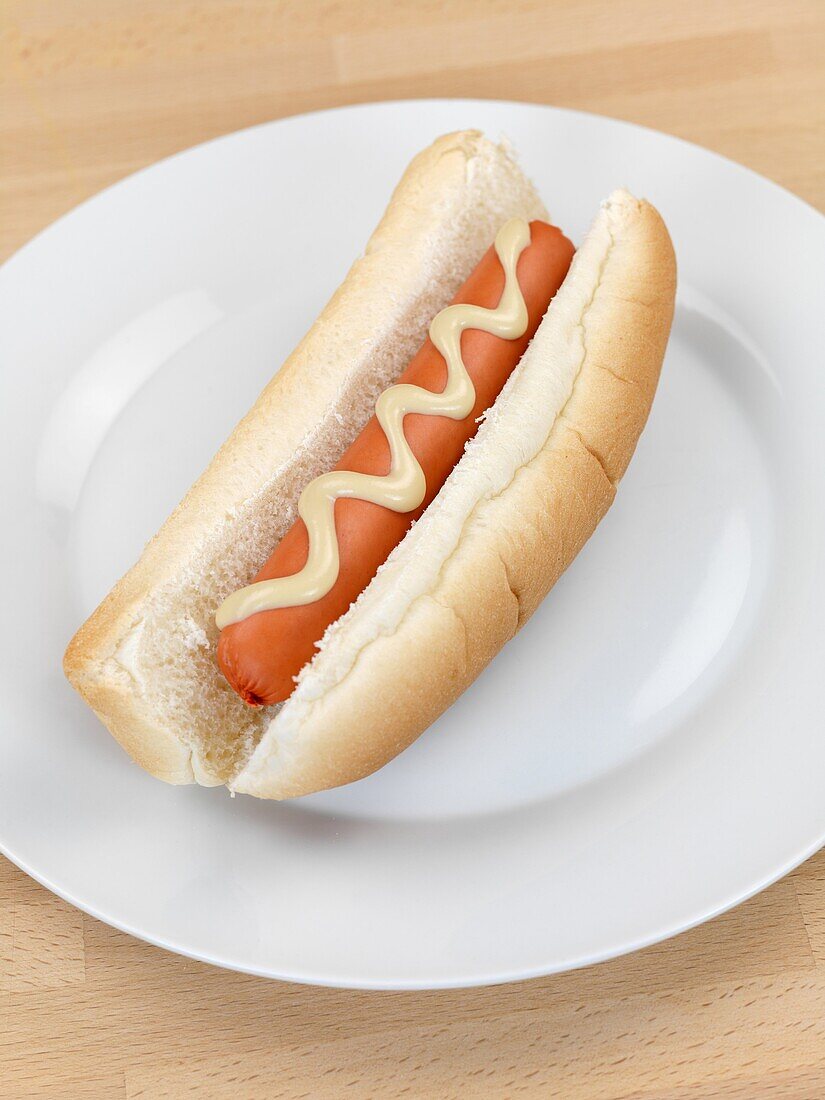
column 94, row 89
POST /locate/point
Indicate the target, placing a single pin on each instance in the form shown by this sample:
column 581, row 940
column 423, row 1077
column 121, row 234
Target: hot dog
column 262, row 654
column 360, row 625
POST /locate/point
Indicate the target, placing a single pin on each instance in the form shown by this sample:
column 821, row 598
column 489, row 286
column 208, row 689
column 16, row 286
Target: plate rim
column 421, row 984
column 428, row 100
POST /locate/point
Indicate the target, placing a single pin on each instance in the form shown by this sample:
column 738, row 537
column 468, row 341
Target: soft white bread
column 145, row 660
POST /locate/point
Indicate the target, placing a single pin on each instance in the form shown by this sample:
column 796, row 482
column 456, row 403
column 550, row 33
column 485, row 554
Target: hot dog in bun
column 401, row 497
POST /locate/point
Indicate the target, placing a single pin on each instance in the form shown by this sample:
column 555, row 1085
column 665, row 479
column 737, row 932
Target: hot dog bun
column 528, row 492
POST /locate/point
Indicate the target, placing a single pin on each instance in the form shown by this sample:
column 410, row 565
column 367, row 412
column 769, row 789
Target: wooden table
column 92, row 90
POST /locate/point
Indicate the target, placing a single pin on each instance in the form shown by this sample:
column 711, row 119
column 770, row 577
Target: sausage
column 261, row 655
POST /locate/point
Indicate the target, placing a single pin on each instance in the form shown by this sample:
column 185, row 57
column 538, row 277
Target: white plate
column 648, row 752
